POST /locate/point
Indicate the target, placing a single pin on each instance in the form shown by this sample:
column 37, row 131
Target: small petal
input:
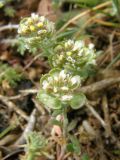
column 62, row 74
column 91, row 46
column 69, row 43
column 65, row 88
column 42, row 18
column 55, row 89
column 66, row 97
column 75, row 80
column 45, row 84
column 78, row 45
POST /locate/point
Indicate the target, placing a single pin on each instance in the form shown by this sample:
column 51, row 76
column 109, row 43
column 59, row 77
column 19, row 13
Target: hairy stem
column 65, row 124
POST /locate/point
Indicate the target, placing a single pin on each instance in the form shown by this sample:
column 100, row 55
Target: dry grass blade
column 83, row 14
column 12, row 106
column 97, row 86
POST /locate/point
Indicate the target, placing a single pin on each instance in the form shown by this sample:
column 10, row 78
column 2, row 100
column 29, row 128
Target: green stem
column 31, row 156
column 8, row 129
column 65, row 122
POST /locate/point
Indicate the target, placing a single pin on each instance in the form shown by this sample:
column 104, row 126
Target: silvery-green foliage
column 73, row 56
column 35, row 31
column 36, row 144
column 9, row 74
column 7, row 7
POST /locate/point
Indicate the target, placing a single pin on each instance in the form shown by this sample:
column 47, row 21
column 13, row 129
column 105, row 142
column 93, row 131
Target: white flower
column 91, row 46
column 34, row 16
column 50, row 79
column 66, row 97
column 39, row 32
column 75, row 79
column 42, row 18
column 80, row 53
column 78, row 45
column 45, row 84
column 70, row 59
column 62, row 74
column 56, row 78
column 69, row 43
column 64, row 88
column 55, row 89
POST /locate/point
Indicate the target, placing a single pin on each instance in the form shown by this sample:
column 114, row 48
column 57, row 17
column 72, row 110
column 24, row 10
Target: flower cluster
column 60, row 84
column 35, row 29
column 73, row 55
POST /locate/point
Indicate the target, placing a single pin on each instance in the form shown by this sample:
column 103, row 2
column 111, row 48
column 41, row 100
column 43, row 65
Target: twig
column 84, row 26
column 96, row 114
column 100, row 147
column 29, row 91
column 9, row 41
column 31, row 62
column 83, row 14
column 18, row 96
column 106, row 116
column 8, row 139
column 19, row 150
column 97, row 86
column 39, row 107
column 12, row 106
column 29, row 128
column 9, row 26
column 8, row 129
column 89, row 128
column 105, row 23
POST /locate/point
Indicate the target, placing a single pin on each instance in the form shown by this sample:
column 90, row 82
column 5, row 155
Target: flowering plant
column 58, row 89
column 36, row 146
column 73, row 56
column 34, row 31
column 69, row 60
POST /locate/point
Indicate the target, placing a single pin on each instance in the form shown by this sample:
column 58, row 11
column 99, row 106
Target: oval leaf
column 78, row 101
column 49, row 100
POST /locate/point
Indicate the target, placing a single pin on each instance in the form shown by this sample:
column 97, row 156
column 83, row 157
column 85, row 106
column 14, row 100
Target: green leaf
column 116, row 7
column 90, row 3
column 72, row 125
column 116, row 152
column 85, row 157
column 56, row 112
column 70, row 147
column 56, row 122
column 49, row 101
column 9, row 11
column 9, row 74
column 78, row 101
column 75, row 143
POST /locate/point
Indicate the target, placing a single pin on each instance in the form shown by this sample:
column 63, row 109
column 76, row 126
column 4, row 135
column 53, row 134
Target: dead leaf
column 45, row 9
column 31, row 4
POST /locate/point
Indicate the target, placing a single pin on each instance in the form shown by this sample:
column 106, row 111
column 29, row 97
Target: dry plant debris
column 93, row 130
